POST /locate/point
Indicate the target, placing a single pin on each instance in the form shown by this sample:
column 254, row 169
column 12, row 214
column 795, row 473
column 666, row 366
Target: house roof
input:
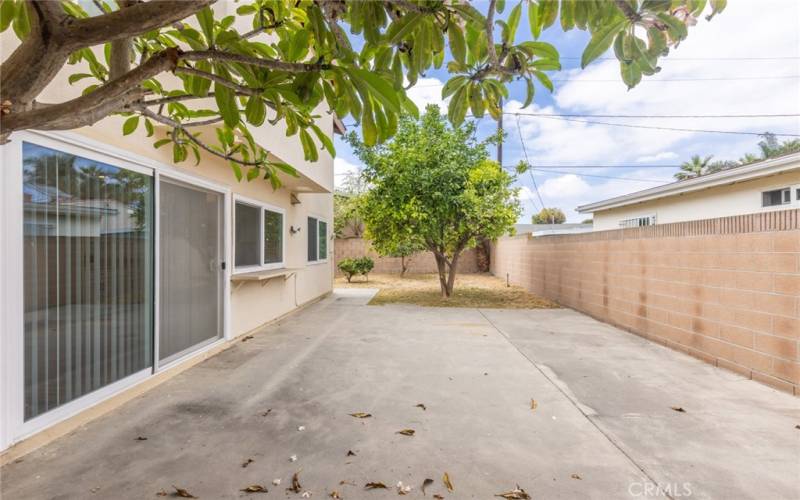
column 739, row 174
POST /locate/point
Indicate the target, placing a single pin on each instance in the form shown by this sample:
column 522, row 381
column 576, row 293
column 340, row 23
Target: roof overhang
column 739, row 174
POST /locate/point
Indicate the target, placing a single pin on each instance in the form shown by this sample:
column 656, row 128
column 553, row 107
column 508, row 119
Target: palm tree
column 694, row 168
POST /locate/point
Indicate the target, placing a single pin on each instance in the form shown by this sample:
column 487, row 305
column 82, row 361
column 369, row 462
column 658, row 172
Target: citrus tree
column 433, row 184
column 353, row 58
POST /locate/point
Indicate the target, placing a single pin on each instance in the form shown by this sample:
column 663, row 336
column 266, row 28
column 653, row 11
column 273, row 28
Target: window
column 258, row 238
column 649, row 220
column 88, row 271
column 776, row 197
column 317, row 240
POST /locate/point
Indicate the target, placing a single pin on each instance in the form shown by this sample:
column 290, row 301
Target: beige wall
column 726, row 290
column 735, row 199
column 423, row 262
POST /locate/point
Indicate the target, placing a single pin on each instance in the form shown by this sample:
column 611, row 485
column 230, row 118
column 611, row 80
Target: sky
column 724, row 58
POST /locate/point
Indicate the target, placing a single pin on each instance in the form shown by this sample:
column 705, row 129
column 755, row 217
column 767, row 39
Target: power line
column 672, row 129
column 600, row 166
column 668, row 58
column 592, row 115
column 633, row 179
column 530, row 171
column 698, row 79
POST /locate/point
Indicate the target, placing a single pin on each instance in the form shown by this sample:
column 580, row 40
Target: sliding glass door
column 88, row 267
column 190, row 268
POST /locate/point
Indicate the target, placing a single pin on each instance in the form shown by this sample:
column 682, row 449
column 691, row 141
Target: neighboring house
column 117, row 265
column 548, row 229
column 758, row 187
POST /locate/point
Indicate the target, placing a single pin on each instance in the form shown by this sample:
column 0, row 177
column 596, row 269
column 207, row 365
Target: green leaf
column 601, row 41
column 200, row 86
column 513, row 22
column 458, row 46
column 226, row 101
column 544, row 80
column 326, row 141
column 7, row 11
column 379, row 88
column 22, row 23
column 255, row 111
column 567, row 14
column 548, row 12
column 677, row 30
column 206, row 19
column 452, row 85
column 533, row 19
column 237, row 170
column 78, row 76
column 541, row 49
column 179, row 153
column 309, row 148
column 245, row 10
column 161, row 142
column 717, row 6
column 403, row 27
column 130, row 125
column 253, row 173
column 530, row 92
column 148, row 125
column 500, row 6
column 458, row 106
column 631, row 74
column 476, row 100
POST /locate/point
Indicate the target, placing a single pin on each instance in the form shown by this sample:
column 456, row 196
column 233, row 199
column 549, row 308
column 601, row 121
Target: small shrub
column 353, row 267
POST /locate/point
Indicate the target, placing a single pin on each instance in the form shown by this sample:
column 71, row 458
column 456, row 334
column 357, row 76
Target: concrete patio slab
column 602, row 427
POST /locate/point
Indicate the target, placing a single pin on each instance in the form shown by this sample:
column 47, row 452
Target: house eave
column 739, row 174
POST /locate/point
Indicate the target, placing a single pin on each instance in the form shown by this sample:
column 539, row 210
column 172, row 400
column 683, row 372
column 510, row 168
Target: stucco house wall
column 736, row 199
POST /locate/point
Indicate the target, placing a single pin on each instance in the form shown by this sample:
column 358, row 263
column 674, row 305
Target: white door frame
column 13, row 428
column 175, row 175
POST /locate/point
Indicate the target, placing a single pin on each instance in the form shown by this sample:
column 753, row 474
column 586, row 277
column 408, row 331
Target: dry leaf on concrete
column 255, row 488
column 141, row 438
column 406, row 432
column 515, row 494
column 247, row 462
column 245, row 339
column 375, row 486
column 425, row 484
column 180, row 492
column 334, row 494
column 420, row 405
column 351, row 453
column 296, row 487
column 360, row 414
column 534, row 404
column 678, row 409
column 576, row 476
column 438, row 497
column 447, row 483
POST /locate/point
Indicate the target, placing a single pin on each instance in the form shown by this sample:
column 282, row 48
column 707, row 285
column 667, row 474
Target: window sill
column 316, row 262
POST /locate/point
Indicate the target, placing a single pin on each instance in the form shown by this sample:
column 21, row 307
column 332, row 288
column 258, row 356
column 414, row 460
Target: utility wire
column 530, row 170
column 593, row 115
column 669, row 58
column 600, row 166
column 633, row 179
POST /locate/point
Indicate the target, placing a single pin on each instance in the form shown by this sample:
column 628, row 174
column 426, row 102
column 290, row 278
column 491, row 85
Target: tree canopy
column 434, row 184
column 353, row 58
column 549, row 216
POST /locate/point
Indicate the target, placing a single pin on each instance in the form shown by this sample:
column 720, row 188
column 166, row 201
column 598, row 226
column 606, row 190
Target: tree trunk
column 440, row 264
column 451, row 278
column 403, row 266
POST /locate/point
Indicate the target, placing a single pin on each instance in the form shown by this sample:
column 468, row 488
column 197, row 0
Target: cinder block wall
column 422, row 262
column 726, row 290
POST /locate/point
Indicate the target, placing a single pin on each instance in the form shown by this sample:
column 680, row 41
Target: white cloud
column 428, row 91
column 664, row 155
column 341, row 169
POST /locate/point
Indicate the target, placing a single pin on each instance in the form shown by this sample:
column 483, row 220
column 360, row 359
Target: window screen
column 323, row 239
column 312, row 239
column 775, row 197
column 273, row 237
column 247, row 235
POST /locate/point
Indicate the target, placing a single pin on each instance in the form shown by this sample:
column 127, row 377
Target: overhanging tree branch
column 289, row 67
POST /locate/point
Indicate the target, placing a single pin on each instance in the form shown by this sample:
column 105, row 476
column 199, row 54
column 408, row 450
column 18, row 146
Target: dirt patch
column 471, row 290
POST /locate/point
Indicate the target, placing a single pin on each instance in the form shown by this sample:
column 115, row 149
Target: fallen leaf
column 266, row 412
column 421, row 406
column 515, row 494
column 247, row 338
column 255, row 488
column 375, row 486
column 335, row 494
column 162, row 493
column 350, row 453
column 343, row 482
column 296, row 487
column 141, row 438
column 425, row 484
column 361, row 414
column 678, row 409
column 576, row 476
column 534, row 404
column 402, row 489
column 446, row 481
column 438, row 497
column 247, row 462
column 180, row 492
column 406, row 432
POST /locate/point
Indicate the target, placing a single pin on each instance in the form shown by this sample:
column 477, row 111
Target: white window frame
column 652, row 218
column 261, row 206
column 783, row 204
column 13, row 427
column 316, row 231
